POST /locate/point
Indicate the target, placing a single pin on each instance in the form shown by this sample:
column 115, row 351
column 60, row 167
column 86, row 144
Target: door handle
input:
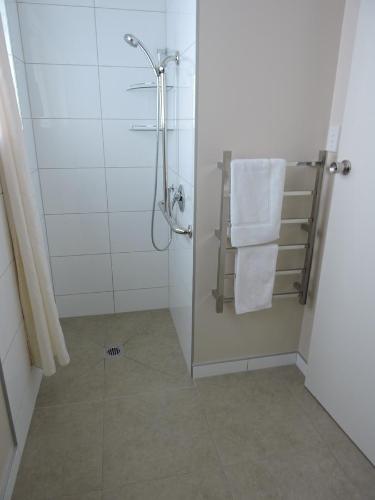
column 340, row 167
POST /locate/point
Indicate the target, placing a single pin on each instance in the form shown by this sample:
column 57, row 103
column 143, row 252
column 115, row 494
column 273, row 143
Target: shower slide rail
column 308, row 224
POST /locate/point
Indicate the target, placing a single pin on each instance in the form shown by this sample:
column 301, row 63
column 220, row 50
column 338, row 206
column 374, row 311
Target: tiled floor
column 138, row 428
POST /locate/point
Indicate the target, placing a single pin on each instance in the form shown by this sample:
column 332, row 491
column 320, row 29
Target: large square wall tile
column 58, row 34
column 69, row 143
column 112, row 24
column 81, row 274
column 63, row 91
column 73, row 190
column 140, row 270
column 77, row 234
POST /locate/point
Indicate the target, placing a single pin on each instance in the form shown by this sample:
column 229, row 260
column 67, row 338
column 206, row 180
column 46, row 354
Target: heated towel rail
column 308, row 224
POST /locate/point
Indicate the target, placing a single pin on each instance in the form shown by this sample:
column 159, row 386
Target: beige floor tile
column 138, row 427
column 311, row 475
column 63, row 453
column 205, row 485
column 124, row 326
column 124, row 377
column 261, row 418
column 79, row 331
column 247, row 391
column 82, row 380
column 154, row 435
column 356, row 466
column 152, row 362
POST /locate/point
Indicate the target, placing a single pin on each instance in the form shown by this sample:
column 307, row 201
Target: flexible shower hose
column 159, row 249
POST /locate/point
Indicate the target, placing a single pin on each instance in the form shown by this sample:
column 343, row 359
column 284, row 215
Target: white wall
column 22, row 381
column 266, row 73
column 96, row 175
column 181, row 36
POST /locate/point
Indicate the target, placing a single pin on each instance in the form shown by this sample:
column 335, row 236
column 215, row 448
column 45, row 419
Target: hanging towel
column 255, row 277
column 257, row 188
column 256, row 200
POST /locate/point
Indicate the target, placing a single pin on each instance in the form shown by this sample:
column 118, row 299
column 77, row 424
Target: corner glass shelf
column 146, row 128
column 145, row 85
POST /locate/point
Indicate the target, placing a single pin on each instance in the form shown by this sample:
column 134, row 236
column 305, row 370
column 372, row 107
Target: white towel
column 257, row 188
column 255, row 277
column 256, row 200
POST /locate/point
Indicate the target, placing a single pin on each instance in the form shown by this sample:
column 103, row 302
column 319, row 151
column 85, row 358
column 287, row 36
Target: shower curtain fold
column 44, row 334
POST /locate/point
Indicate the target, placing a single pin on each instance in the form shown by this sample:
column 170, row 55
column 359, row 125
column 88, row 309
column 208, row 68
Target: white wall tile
column 83, row 274
column 69, row 143
column 22, row 91
column 6, row 255
column 131, row 189
column 17, row 370
column 58, row 34
column 10, row 309
column 153, row 5
column 113, row 24
column 181, row 24
column 63, row 91
column 78, row 190
column 186, row 85
column 85, row 304
column 14, row 29
column 186, row 151
column 28, row 135
column 130, row 231
column 118, row 102
column 140, row 270
column 141, row 300
column 128, row 148
column 77, row 234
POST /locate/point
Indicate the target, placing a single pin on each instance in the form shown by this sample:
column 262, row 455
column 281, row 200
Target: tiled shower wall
column 181, row 35
column 96, row 174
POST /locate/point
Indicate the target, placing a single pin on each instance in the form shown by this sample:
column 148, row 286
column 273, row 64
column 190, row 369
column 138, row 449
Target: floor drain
column 113, row 351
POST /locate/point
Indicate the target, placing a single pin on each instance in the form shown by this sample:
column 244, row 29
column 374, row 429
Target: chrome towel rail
column 308, row 224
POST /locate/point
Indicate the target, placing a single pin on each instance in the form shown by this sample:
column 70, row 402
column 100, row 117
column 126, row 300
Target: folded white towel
column 256, row 199
column 257, row 188
column 255, row 276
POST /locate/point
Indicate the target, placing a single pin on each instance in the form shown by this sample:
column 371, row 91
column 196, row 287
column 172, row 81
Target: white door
column 341, row 371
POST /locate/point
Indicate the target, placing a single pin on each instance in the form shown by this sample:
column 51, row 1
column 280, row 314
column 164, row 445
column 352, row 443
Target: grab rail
column 176, row 228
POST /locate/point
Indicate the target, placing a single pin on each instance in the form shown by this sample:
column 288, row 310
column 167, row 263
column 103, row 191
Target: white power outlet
column 333, row 138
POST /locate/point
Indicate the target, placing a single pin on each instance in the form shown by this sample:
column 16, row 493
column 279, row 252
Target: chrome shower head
column 134, row 42
column 131, row 40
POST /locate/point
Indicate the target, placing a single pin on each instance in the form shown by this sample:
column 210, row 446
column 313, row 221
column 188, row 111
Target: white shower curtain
column 44, row 335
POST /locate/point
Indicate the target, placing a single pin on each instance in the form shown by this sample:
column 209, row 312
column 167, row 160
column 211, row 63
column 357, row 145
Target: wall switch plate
column 333, row 138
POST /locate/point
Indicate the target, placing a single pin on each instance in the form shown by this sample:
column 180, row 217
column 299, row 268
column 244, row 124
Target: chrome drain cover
column 113, row 351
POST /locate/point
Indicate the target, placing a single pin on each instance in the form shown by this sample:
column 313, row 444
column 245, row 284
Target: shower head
column 134, row 42
column 131, row 40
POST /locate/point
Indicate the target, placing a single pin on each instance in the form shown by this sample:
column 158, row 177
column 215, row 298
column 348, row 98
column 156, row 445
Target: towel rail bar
column 308, row 224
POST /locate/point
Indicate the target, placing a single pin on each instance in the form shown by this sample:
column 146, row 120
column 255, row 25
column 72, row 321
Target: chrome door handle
column 340, row 167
